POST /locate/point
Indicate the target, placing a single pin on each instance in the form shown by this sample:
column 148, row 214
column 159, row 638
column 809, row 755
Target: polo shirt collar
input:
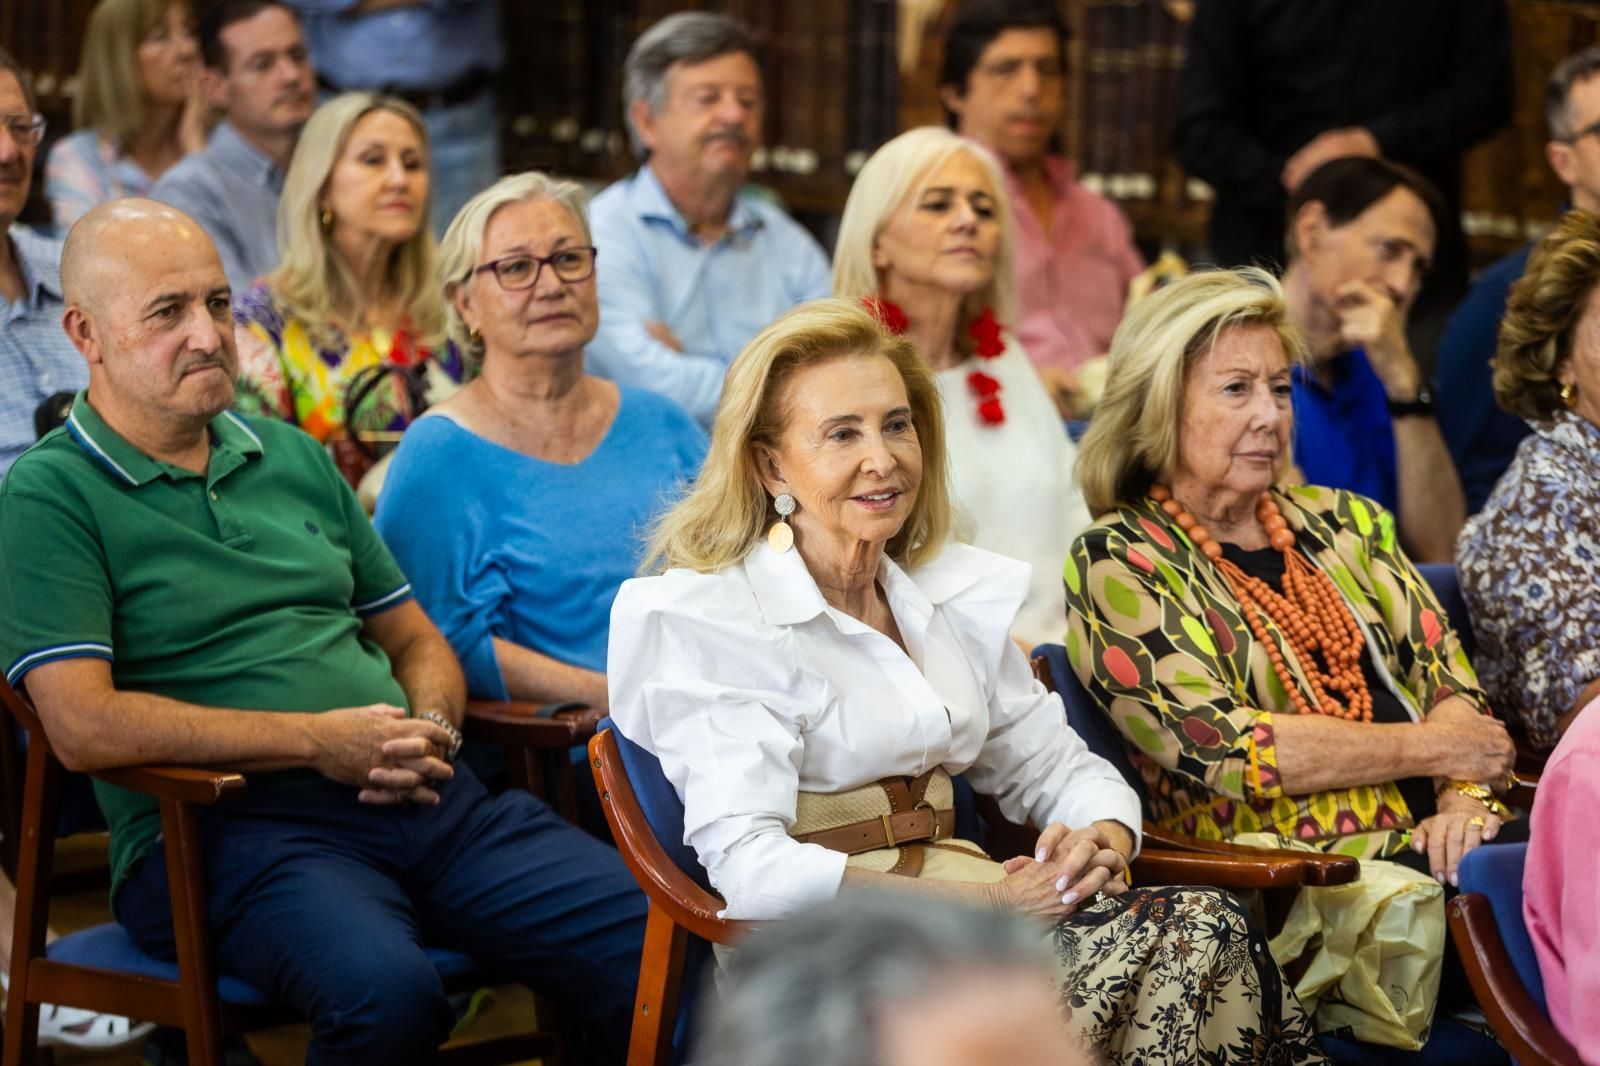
column 234, row 153
column 1061, row 172
column 229, row 435
column 40, row 262
column 651, row 203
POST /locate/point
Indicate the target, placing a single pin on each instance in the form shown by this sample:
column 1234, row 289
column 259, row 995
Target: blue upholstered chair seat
column 109, row 947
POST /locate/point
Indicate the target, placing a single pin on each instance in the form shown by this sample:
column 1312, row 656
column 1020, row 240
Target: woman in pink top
column 1560, row 897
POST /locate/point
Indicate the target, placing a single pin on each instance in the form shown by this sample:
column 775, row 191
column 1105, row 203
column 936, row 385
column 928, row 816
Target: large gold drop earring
column 780, row 537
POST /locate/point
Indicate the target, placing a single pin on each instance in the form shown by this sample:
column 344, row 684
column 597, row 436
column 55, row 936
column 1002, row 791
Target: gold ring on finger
column 1476, row 821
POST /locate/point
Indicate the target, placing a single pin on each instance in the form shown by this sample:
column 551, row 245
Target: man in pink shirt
column 1002, row 85
column 1561, row 884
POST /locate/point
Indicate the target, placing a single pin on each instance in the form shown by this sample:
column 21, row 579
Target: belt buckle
column 924, row 805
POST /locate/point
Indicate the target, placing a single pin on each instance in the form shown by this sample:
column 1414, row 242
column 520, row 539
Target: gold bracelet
column 1482, row 793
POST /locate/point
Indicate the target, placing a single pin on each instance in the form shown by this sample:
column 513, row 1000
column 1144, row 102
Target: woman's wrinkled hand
column 1461, row 825
column 1468, row 745
column 1067, row 868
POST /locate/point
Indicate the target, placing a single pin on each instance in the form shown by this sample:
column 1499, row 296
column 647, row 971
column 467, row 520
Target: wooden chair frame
column 1521, row 1026
column 191, row 1003
column 679, row 907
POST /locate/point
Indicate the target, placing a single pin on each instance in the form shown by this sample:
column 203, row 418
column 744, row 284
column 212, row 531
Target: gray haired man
column 691, row 267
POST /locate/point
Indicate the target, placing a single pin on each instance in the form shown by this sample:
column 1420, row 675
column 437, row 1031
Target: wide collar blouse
column 749, row 688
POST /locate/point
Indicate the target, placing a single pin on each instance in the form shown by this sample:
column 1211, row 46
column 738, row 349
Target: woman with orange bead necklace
column 1273, row 659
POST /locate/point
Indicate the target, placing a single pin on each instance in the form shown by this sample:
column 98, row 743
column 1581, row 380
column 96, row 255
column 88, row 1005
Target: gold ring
column 1476, row 821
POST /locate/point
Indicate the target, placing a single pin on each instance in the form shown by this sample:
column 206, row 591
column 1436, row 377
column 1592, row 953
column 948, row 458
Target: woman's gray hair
column 809, row 989
column 463, row 241
column 687, row 37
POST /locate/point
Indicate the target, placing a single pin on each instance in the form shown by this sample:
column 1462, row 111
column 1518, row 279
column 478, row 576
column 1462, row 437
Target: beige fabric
column 1376, row 950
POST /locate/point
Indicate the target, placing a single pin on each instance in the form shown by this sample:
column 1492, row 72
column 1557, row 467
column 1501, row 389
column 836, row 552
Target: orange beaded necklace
column 1310, row 613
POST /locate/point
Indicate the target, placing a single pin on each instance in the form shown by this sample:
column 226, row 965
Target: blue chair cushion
column 660, row 803
column 1450, row 1044
column 1495, row 872
column 109, row 947
column 1088, row 720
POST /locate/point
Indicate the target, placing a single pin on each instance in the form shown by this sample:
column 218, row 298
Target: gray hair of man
column 1577, row 67
column 687, row 37
column 808, row 989
column 9, row 65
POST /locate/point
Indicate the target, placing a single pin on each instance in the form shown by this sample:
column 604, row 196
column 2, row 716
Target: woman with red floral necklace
column 926, row 241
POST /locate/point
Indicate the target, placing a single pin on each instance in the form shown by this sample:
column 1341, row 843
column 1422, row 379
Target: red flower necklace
column 988, row 344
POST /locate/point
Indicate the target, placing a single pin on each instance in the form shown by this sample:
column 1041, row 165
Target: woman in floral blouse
column 1272, row 658
column 354, row 292
column 1528, row 561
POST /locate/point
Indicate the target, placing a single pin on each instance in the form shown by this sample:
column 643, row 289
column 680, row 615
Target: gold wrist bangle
column 1482, row 793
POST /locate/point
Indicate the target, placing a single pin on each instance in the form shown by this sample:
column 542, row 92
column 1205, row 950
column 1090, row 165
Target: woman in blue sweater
column 518, row 506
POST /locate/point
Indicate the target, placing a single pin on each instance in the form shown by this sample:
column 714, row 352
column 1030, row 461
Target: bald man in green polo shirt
column 179, row 584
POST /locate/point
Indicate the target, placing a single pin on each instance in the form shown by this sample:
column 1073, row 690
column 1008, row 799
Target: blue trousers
column 325, row 904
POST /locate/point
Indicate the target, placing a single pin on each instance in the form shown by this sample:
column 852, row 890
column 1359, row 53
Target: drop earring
column 1569, row 395
column 780, row 537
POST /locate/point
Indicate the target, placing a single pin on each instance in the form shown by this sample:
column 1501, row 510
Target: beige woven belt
column 892, row 813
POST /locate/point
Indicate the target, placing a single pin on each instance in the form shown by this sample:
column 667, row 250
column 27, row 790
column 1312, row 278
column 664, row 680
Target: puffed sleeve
column 699, row 679
column 1031, row 761
column 1137, row 640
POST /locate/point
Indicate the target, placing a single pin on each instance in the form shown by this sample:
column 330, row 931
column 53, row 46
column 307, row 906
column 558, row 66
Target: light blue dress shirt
column 36, row 359
column 231, row 188
column 424, row 48
column 714, row 297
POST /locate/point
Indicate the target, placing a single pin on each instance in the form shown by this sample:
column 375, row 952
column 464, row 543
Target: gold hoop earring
column 780, row 537
column 1569, row 395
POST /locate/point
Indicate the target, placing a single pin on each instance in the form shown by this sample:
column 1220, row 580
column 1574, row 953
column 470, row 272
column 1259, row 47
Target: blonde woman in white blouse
column 818, row 658
column 926, row 237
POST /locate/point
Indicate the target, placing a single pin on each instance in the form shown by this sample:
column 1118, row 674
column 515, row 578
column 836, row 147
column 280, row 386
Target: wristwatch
column 444, row 723
column 1421, row 404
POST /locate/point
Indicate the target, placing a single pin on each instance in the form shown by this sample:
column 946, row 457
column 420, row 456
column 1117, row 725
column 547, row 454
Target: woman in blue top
column 518, row 506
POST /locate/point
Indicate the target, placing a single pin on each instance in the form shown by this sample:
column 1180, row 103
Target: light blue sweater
column 499, row 544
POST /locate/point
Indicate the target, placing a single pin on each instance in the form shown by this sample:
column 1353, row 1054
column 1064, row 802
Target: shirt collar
column 788, row 594
column 1061, row 172
column 39, row 260
column 651, row 203
column 229, row 434
column 235, row 153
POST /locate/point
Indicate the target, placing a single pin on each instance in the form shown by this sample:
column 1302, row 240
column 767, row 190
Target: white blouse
column 749, row 688
column 1014, row 481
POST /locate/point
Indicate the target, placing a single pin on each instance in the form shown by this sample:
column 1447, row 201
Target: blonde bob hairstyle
column 896, row 174
column 724, row 516
column 463, row 241
column 110, row 96
column 1542, row 315
column 1133, row 438
column 311, row 281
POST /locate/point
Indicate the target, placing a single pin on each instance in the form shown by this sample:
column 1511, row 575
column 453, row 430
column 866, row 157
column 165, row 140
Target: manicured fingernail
column 1038, row 856
column 1061, row 883
column 1440, row 877
column 1070, row 898
column 1453, row 882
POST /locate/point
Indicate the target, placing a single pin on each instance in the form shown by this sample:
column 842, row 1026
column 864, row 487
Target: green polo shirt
column 243, row 587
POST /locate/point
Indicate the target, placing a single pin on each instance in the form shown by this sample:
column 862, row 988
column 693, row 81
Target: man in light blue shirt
column 441, row 56
column 258, row 72
column 690, row 267
column 36, row 359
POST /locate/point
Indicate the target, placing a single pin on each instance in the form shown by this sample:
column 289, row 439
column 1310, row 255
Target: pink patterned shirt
column 1561, row 883
column 1073, row 280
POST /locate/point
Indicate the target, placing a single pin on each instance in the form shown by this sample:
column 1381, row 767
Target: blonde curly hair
column 1542, row 316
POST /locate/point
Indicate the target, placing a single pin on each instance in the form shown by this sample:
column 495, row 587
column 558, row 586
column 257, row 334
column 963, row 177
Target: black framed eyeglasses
column 26, row 130
column 521, row 271
column 1578, row 135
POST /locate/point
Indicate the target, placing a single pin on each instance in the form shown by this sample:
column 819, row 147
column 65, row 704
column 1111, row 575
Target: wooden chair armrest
column 1316, row 868
column 1273, row 869
column 185, row 784
column 677, row 894
column 1522, row 1027
column 516, row 724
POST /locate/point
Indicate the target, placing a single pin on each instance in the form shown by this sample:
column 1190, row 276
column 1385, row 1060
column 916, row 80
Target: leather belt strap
column 911, row 820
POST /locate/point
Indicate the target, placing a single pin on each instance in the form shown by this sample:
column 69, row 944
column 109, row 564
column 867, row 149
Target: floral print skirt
column 1178, row 975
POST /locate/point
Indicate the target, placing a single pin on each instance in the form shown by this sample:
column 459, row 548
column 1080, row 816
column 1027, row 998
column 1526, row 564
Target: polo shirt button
column 213, row 494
